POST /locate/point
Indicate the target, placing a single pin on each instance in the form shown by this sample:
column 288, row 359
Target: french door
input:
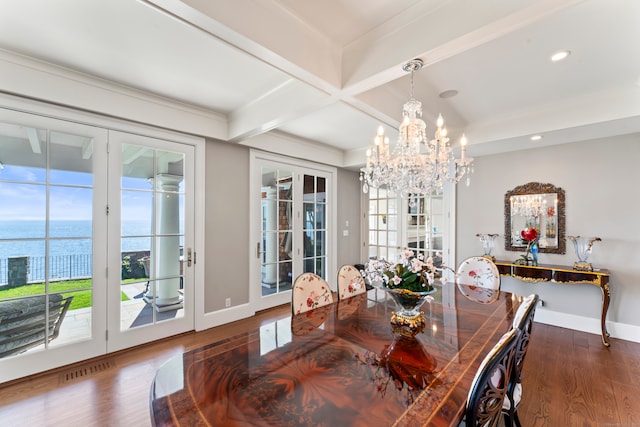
column 293, row 212
column 96, row 241
column 151, row 188
column 421, row 223
column 52, row 254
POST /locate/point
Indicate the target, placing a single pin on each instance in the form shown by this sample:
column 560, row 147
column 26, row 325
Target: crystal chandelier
column 416, row 165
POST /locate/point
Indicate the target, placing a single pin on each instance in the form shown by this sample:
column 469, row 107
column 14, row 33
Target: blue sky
column 23, row 195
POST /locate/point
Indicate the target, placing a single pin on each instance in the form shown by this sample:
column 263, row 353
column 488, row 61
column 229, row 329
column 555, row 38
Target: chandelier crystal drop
column 415, row 165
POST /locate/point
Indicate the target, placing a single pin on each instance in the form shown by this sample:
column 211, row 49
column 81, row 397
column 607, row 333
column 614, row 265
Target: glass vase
column 534, row 253
column 488, row 243
column 583, row 247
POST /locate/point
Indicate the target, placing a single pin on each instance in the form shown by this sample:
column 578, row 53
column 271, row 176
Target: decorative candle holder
column 583, row 247
column 488, row 242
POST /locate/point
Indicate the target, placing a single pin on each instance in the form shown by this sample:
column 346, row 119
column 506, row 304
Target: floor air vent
column 85, row 371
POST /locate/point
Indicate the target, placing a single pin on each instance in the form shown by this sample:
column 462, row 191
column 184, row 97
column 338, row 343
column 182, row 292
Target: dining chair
column 523, row 321
column 309, row 291
column 350, row 282
column 478, row 271
column 489, row 385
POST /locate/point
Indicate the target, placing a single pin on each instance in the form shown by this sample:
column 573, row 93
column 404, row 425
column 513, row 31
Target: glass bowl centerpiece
column 409, row 282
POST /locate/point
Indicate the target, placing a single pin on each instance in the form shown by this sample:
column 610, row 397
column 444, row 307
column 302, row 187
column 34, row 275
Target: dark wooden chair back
column 489, row 386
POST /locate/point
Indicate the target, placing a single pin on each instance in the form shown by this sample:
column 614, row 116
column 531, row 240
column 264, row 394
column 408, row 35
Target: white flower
column 416, row 265
column 406, row 255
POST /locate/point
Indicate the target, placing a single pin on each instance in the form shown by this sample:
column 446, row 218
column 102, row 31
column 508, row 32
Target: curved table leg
column 606, row 296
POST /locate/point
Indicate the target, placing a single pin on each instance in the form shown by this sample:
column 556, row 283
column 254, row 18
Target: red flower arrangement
column 531, row 236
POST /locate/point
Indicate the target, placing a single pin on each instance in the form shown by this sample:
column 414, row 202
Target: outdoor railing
column 61, row 267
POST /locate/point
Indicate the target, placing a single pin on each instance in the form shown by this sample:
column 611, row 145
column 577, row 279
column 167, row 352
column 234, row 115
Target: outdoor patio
column 134, row 313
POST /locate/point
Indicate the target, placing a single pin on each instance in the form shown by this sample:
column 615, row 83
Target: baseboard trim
column 587, row 324
column 221, row 317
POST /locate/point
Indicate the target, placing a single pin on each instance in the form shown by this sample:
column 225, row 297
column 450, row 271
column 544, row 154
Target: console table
column 563, row 275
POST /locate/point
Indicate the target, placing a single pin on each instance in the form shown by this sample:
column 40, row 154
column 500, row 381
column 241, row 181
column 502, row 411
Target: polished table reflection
column 338, row 365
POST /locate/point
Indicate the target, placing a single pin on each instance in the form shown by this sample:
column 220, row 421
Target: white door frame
column 37, row 361
column 257, row 160
column 38, row 114
column 118, row 338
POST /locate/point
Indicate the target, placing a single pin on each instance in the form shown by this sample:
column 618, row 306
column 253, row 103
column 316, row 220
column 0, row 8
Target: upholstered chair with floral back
column 309, row 291
column 478, row 271
column 350, row 282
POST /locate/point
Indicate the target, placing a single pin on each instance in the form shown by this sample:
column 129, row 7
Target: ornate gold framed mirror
column 535, row 205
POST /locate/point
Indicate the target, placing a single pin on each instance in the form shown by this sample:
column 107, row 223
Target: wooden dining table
column 339, row 365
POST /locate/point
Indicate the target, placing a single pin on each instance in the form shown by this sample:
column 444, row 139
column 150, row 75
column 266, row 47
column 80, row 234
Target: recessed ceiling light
column 536, row 137
column 560, row 55
column 448, row 94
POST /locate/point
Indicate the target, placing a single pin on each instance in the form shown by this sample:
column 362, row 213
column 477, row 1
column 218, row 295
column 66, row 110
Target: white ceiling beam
column 608, row 108
column 289, row 101
column 435, row 35
column 40, row 80
column 291, row 146
column 263, row 31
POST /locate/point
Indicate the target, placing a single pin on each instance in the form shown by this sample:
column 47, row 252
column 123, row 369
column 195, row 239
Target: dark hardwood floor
column 570, row 379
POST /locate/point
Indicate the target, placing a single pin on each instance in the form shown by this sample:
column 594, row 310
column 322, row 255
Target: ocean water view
column 70, row 245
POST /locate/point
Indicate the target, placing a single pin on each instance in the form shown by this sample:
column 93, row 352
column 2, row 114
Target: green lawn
column 81, row 299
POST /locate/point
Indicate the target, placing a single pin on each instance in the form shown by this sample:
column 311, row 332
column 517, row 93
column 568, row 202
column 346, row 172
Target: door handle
column 189, row 257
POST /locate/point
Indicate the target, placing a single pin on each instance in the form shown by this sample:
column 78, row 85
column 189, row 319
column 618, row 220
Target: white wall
column 600, row 178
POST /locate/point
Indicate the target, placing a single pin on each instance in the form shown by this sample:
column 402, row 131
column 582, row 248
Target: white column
column 167, row 248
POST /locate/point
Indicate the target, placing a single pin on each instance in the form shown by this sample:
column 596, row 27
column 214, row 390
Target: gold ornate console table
column 563, row 275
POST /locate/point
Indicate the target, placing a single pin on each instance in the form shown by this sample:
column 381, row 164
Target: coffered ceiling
column 330, row 71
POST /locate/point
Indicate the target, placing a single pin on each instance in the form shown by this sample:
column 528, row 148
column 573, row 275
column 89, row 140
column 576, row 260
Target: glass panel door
column 425, row 226
column 153, row 211
column 276, row 262
column 292, row 215
column 422, row 227
column 383, row 224
column 314, row 214
column 50, row 301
